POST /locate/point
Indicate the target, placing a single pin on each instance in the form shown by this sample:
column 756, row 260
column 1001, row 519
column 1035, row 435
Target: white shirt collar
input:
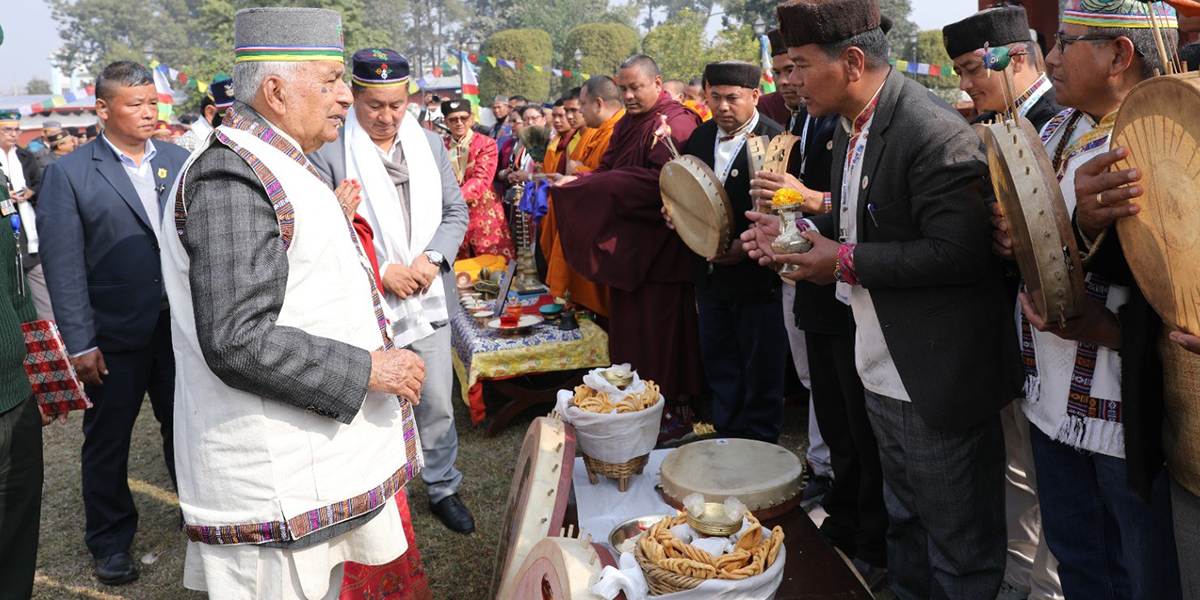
column 749, row 128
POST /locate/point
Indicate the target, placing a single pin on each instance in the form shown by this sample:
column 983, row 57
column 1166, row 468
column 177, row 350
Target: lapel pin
column 864, row 182
column 733, row 173
column 162, row 173
column 829, row 145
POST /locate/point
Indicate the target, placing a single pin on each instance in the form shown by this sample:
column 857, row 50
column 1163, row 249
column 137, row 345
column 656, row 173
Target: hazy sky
column 30, row 36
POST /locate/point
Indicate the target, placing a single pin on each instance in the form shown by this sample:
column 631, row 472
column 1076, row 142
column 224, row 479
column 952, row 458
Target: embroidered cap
column 287, row 35
column 377, row 67
column 221, row 92
column 9, row 116
column 998, row 26
column 1125, row 14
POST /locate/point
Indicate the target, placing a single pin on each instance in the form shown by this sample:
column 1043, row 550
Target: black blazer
column 98, row 248
column 745, row 281
column 816, row 309
column 924, row 252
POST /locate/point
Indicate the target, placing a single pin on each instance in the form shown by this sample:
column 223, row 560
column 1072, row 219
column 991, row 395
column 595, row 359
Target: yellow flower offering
column 784, row 197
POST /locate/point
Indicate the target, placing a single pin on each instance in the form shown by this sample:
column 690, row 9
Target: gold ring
column 1100, row 199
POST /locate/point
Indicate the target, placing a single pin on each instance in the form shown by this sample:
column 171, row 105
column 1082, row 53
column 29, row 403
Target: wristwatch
column 435, row 257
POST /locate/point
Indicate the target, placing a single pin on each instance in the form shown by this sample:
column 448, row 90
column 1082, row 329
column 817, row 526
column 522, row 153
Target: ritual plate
column 559, row 569
column 765, row 477
column 524, row 325
column 1159, row 122
column 537, row 498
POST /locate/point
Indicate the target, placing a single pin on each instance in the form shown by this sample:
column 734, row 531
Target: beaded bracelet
column 828, row 202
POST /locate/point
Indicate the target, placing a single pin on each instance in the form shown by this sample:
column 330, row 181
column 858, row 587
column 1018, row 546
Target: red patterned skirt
column 401, row 579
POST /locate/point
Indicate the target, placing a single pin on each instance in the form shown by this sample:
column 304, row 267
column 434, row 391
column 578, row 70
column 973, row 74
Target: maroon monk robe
column 773, row 106
column 612, row 231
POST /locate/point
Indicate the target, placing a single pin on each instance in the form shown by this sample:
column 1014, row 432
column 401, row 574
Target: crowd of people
column 278, row 278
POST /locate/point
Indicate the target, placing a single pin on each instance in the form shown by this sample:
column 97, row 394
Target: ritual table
column 813, row 569
column 504, row 360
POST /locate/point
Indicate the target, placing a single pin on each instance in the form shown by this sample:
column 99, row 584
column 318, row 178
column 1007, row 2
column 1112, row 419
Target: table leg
column 526, row 391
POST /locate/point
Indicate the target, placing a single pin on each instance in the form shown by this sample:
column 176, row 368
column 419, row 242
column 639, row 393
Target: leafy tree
column 900, row 38
column 529, row 46
column 602, row 45
column 37, row 86
column 931, row 49
column 681, row 48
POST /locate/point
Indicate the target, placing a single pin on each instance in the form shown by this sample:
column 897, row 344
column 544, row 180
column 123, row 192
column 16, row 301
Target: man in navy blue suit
column 100, row 212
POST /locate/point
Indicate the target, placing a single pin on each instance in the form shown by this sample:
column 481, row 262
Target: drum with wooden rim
column 1038, row 221
column 765, row 477
column 697, row 204
column 1158, row 123
column 537, row 500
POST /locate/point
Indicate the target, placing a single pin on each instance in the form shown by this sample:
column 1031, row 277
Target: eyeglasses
column 462, row 119
column 1063, row 40
column 532, row 121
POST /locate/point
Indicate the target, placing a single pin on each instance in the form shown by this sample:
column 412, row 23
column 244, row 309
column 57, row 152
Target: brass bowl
column 631, row 529
column 616, row 380
column 714, row 522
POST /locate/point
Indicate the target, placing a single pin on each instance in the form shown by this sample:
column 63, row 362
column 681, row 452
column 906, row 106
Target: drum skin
column 1159, row 123
column 697, row 204
column 765, row 477
column 1038, row 221
column 559, row 569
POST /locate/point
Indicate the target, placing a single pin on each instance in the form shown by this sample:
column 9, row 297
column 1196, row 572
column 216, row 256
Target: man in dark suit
column 743, row 343
column 853, row 497
column 908, row 244
column 1006, row 26
column 100, row 214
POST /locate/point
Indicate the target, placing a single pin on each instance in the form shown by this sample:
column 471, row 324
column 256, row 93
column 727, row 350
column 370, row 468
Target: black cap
column 997, row 26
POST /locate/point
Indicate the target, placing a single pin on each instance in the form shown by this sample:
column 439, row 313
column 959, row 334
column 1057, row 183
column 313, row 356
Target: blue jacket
column 98, row 249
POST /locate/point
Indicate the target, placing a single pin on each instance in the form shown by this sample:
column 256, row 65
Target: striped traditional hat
column 378, row 67
column 1125, row 14
column 9, row 116
column 287, row 35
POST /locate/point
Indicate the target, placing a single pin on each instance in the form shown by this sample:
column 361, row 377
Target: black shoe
column 116, row 569
column 874, row 577
column 453, row 514
column 818, row 486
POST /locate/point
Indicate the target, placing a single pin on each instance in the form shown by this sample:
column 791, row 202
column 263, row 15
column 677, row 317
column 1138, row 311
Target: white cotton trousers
column 252, row 572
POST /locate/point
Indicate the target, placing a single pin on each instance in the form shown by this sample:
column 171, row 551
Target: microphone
column 161, row 188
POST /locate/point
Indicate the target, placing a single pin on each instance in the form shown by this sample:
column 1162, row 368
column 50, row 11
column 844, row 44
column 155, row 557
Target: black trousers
column 21, row 474
column 744, row 349
column 108, row 504
column 857, row 522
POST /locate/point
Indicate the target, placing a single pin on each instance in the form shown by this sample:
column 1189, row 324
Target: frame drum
column 1159, row 122
column 698, row 205
column 1038, row 222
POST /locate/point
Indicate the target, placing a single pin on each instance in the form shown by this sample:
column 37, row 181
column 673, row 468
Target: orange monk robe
column 700, row 109
column 560, row 277
column 550, row 163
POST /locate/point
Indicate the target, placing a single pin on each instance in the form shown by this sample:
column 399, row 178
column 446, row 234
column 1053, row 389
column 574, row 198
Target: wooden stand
column 619, row 471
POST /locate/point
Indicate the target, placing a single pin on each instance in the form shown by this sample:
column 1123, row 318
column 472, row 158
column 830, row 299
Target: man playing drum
column 742, row 340
column 1083, row 396
column 1031, row 568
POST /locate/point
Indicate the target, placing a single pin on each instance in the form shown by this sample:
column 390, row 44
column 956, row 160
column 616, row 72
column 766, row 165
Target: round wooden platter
column 1159, row 122
column 538, row 496
column 698, row 205
column 1039, row 223
column 559, row 568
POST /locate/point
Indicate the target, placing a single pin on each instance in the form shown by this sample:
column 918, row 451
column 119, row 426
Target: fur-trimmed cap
column 778, row 46
column 998, row 26
column 806, row 22
column 733, row 72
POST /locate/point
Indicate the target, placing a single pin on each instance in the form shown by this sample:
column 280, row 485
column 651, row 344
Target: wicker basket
column 619, row 471
column 662, row 581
